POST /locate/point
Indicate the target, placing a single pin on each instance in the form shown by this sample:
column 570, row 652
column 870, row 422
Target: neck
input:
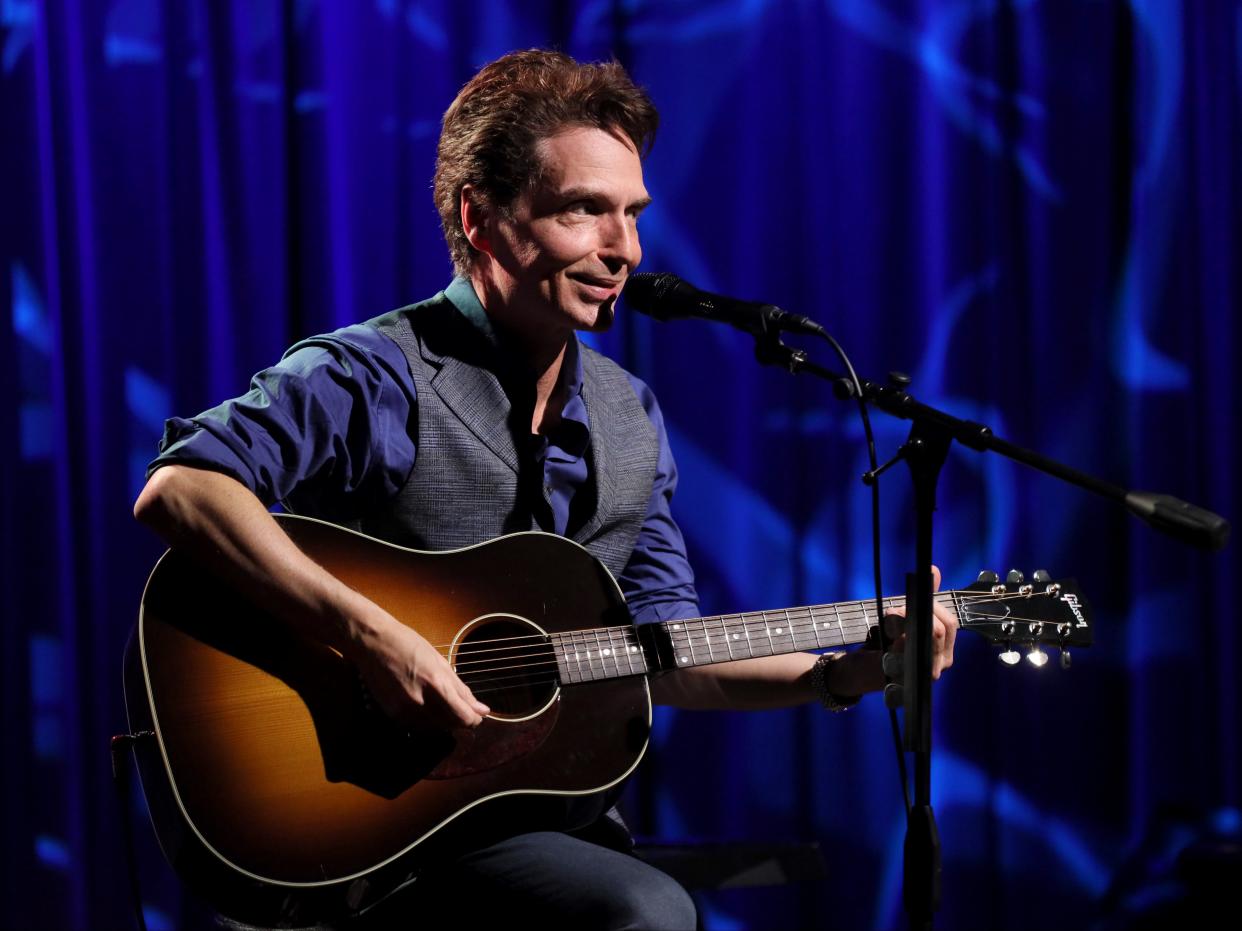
column 536, row 353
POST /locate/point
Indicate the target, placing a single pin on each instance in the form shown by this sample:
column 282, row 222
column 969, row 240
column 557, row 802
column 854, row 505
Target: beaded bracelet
column 819, row 684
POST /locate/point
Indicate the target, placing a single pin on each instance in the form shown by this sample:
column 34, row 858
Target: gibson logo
column 1072, row 601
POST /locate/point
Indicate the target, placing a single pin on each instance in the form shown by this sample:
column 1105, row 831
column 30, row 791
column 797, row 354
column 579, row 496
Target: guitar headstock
column 1015, row 613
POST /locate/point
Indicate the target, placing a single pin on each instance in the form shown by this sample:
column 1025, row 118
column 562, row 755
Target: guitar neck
column 615, row 652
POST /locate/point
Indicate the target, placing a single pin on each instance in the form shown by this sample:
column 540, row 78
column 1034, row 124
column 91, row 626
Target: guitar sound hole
column 509, row 665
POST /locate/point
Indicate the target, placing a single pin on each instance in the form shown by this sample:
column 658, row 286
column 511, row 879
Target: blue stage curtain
column 1032, row 207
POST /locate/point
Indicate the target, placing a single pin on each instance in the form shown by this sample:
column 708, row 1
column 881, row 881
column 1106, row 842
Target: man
column 474, row 414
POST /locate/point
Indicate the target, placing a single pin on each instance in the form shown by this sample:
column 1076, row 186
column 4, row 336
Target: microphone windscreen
column 648, row 293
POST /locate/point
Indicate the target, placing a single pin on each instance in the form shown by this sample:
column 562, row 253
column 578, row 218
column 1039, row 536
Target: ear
column 474, row 221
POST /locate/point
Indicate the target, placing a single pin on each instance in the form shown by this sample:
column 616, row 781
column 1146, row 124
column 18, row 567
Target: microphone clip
column 769, row 350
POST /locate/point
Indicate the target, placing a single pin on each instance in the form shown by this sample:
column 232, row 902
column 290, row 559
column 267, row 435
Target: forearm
column 766, row 682
column 220, row 522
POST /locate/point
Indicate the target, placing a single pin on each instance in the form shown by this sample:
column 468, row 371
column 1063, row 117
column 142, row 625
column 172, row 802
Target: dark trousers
column 544, row 879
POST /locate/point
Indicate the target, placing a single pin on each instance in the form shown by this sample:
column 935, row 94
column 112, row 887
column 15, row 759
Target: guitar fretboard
column 613, row 652
column 602, row 653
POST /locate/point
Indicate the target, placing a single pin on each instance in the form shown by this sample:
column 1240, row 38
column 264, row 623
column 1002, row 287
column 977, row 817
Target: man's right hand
column 219, row 521
column 412, row 681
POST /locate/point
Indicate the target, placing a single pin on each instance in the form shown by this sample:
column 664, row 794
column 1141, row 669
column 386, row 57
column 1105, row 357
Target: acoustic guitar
column 281, row 794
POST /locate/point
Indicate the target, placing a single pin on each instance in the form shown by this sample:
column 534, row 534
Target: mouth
column 601, row 289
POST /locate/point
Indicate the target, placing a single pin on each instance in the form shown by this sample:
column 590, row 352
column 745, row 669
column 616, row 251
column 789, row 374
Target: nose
column 619, row 245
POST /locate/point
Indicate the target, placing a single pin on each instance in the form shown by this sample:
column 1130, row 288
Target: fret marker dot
column 606, row 652
column 736, row 636
column 685, row 659
column 676, row 627
column 633, row 649
column 779, row 629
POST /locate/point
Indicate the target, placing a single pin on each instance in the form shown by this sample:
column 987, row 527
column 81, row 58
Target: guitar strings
column 855, row 609
column 794, row 620
column 545, row 653
column 482, row 682
column 600, row 649
column 544, row 672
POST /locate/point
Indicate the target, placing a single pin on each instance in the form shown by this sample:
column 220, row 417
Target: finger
column 895, row 624
column 935, row 578
column 469, row 698
column 460, row 709
column 950, row 632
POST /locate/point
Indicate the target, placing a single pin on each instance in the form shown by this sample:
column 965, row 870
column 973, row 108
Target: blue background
column 1034, row 207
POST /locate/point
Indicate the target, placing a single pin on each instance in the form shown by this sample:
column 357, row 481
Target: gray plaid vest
column 470, row 483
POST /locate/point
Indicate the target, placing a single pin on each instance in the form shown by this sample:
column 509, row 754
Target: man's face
column 569, row 243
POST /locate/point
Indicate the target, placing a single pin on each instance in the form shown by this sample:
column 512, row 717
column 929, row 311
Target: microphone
column 667, row 297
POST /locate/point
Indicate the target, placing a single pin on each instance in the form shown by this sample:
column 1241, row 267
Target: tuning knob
column 1063, row 643
column 1015, row 577
column 894, row 697
column 1010, row 657
column 988, row 577
column 1042, row 576
column 1037, row 657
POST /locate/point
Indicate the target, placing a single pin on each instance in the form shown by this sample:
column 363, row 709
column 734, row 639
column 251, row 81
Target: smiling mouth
column 602, row 287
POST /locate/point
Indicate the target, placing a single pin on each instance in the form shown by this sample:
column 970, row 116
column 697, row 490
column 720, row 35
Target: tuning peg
column 1063, row 644
column 1041, row 575
column 1037, row 657
column 988, row 577
column 1010, row 657
column 1015, row 577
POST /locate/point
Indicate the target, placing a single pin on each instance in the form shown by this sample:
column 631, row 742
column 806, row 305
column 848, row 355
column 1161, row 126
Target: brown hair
column 491, row 131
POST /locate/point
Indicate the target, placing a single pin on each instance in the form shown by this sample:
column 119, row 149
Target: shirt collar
column 461, row 294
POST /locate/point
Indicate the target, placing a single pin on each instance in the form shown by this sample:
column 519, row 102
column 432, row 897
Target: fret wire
column 578, row 656
column 767, row 629
column 612, row 647
column 568, row 675
column 627, row 641
column 711, row 654
column 678, row 658
column 817, row 627
column 631, row 635
column 728, row 635
column 789, row 625
column 825, row 633
column 612, row 652
column 586, row 655
column 598, row 658
column 605, row 654
column 561, row 669
column 840, row 628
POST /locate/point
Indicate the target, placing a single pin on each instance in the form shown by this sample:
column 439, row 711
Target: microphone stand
column 932, row 432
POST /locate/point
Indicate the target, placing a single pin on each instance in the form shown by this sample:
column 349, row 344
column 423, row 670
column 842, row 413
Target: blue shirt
column 325, row 432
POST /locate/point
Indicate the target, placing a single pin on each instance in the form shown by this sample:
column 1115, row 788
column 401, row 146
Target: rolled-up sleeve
column 328, row 430
column 658, row 581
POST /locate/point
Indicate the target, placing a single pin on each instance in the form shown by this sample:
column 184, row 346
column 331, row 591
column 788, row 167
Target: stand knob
column 894, row 696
